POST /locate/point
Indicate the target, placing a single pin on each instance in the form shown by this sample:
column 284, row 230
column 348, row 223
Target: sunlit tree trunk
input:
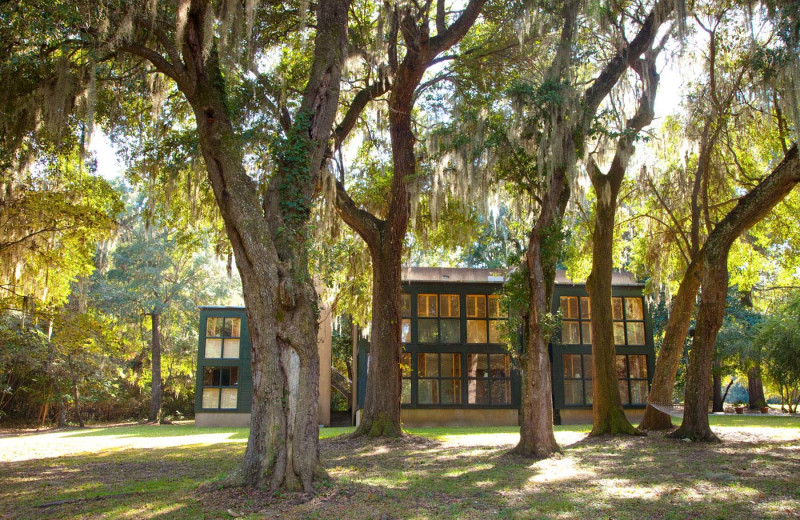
column 155, row 352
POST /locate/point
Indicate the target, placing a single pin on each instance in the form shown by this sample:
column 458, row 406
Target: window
column 632, row 378
column 576, row 325
column 222, row 337
column 489, row 379
column 577, row 379
column 405, row 329
column 476, row 328
column 628, row 316
column 438, row 318
column 439, row 378
column 427, row 324
column 405, row 370
column 450, row 321
column 497, row 318
column 220, row 387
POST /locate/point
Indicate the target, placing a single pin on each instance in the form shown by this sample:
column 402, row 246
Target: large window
column 438, row 318
column 484, row 318
column 488, row 379
column 631, row 378
column 222, row 337
column 438, row 378
column 405, row 370
column 220, row 387
column 576, row 320
column 628, row 321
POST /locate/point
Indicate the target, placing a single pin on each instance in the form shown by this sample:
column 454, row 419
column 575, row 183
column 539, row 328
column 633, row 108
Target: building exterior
column 456, row 368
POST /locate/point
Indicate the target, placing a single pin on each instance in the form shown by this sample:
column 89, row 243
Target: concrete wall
column 421, row 417
column 222, row 420
column 584, row 416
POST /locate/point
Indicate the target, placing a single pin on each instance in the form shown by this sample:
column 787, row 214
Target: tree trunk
column 76, row 397
column 717, row 406
column 155, row 387
column 755, row 388
column 51, row 355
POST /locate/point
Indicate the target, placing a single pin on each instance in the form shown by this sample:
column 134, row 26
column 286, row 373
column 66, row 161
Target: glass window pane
column 214, row 327
column 405, row 364
column 451, row 391
column 451, row 331
column 210, row 398
column 635, row 333
column 208, row 375
column 623, row 391
column 573, row 391
column 428, row 391
column 449, row 306
column 477, row 365
column 495, row 310
column 496, row 331
column 586, row 309
column 588, row 391
column 570, row 333
column 229, row 398
column 499, row 366
column 587, row 366
column 426, row 305
column 406, row 305
column 501, row 392
column 616, row 308
column 622, row 369
column 619, row 333
column 638, row 366
column 476, row 331
column 476, row 305
column 231, row 350
column 234, row 376
column 225, row 377
column 451, row 365
column 633, row 309
column 569, row 307
column 216, row 376
column 213, row 348
column 405, row 395
column 586, row 331
column 638, row 392
column 428, row 330
column 572, row 366
column 405, row 331
column 477, row 391
column 428, row 365
column 233, row 327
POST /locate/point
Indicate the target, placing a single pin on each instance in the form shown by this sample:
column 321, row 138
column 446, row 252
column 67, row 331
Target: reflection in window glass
column 569, row 307
column 616, row 308
column 405, row 395
column 405, row 331
column 451, row 365
column 586, row 332
column 428, row 365
column 406, row 305
column 570, row 333
column 499, row 366
column 635, row 333
column 572, row 366
column 476, row 331
column 633, row 309
column 214, row 327
column 451, row 331
column 451, row 391
column 426, row 305
column 589, row 391
column 495, row 331
column 638, row 392
column 501, row 392
column 405, row 364
column 232, row 327
column 638, row 366
column 476, row 305
column 586, row 309
column 587, row 365
column 449, row 306
column 428, row 330
column 573, row 391
column 428, row 391
column 622, row 367
column 619, row 333
column 477, row 391
column 495, row 311
column 623, row 391
column 477, row 365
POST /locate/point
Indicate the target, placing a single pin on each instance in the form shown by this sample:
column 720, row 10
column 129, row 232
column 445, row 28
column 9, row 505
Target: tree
column 779, row 339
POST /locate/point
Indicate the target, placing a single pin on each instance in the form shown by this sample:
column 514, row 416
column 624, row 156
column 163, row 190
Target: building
column 456, row 369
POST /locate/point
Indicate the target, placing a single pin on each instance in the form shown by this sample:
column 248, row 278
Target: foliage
column 779, row 339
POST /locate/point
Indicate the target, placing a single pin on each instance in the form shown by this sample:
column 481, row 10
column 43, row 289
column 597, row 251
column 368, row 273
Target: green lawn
column 174, row 471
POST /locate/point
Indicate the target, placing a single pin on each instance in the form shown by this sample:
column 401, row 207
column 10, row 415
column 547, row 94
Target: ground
column 177, row 471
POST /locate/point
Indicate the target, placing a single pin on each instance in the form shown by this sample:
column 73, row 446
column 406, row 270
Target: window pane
column 234, row 376
column 231, row 350
column 572, row 366
column 233, row 327
column 406, row 305
column 405, row 364
column 499, row 366
column 427, row 330
column 588, row 391
column 451, row 391
column 405, row 396
column 451, row 331
column 501, row 392
column 214, row 348
column 214, row 327
column 476, row 331
column 586, row 309
column 569, row 307
column 208, row 375
column 477, row 391
column 224, row 377
column 449, row 306
column 619, row 333
column 622, row 369
column 451, row 365
column 477, row 365
column 495, row 311
column 428, row 365
column 210, row 398
column 638, row 366
column 570, row 334
column 428, row 391
column 616, row 308
column 587, row 366
column 633, row 309
column 573, row 392
column 228, row 398
column 405, row 331
column 623, row 391
column 476, row 306
column 426, row 305
column 216, row 376
column 495, row 331
column 638, row 392
column 586, row 331
column 635, row 333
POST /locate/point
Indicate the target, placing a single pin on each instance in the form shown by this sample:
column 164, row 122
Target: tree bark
column 755, row 388
column 155, row 353
column 714, row 281
column 717, row 406
column 76, row 395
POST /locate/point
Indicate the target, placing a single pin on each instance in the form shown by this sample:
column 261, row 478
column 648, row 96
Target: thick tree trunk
column 716, row 399
column 155, row 353
column 755, row 388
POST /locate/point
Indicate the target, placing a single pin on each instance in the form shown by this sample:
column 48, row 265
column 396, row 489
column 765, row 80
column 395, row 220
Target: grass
column 173, row 471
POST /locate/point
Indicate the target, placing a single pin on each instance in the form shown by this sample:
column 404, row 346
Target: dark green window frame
column 225, row 337
column 221, row 379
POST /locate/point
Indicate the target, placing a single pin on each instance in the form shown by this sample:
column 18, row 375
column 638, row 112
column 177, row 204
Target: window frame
column 220, row 386
column 222, row 337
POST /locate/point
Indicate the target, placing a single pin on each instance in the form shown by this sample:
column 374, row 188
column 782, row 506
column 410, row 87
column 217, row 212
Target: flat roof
column 483, row 275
